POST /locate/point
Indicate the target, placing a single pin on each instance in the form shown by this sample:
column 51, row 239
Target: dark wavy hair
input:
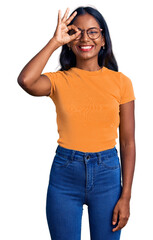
column 106, row 57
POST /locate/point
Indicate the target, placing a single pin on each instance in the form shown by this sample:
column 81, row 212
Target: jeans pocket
column 61, row 160
column 110, row 161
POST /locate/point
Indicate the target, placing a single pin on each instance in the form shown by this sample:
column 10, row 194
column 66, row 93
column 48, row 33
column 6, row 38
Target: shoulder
column 112, row 77
column 112, row 74
column 120, row 77
column 125, row 80
column 118, row 74
column 54, row 75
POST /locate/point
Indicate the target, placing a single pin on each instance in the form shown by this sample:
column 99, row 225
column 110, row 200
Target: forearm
column 128, row 154
column 33, row 69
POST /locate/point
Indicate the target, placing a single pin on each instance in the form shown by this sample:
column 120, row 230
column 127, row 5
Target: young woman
column 92, row 100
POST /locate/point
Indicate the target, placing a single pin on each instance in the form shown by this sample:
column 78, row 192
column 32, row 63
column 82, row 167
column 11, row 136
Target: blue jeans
column 77, row 178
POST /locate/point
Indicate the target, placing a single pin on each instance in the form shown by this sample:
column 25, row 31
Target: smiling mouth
column 86, row 48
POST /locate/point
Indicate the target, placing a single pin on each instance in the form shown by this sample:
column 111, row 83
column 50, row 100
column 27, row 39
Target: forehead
column 85, row 21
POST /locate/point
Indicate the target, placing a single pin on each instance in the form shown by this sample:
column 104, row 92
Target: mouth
column 85, row 48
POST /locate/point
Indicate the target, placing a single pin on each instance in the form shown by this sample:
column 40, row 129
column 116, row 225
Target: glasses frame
column 82, row 31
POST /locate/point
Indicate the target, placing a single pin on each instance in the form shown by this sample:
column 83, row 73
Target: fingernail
column 114, row 223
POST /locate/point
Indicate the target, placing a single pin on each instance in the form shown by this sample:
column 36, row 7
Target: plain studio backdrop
column 28, row 124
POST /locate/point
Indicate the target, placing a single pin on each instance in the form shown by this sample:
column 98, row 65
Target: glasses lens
column 93, row 33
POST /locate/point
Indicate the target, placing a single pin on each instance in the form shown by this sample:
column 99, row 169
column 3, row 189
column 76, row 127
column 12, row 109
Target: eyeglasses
column 93, row 33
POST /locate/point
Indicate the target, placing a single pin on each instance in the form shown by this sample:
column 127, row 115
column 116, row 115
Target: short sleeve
column 127, row 91
column 52, row 77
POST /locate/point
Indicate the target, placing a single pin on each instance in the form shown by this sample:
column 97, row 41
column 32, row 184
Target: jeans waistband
column 79, row 155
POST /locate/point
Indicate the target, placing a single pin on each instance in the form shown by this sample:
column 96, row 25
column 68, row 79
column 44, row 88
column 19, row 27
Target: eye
column 71, row 32
column 93, row 31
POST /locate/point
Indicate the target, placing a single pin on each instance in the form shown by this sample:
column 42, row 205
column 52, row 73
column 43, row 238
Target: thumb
column 75, row 35
column 115, row 216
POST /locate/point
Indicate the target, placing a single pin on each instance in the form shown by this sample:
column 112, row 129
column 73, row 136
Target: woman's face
column 85, row 22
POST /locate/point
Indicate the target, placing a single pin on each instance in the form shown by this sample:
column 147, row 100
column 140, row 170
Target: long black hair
column 105, row 56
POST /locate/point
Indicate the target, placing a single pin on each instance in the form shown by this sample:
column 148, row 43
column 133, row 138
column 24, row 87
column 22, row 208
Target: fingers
column 115, row 216
column 64, row 19
column 76, row 31
column 65, row 15
column 73, row 27
column 122, row 222
column 59, row 16
column 70, row 18
column 74, row 36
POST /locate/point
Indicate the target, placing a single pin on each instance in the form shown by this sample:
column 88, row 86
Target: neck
column 88, row 65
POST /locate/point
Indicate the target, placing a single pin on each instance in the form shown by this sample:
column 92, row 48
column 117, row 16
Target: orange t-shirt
column 87, row 106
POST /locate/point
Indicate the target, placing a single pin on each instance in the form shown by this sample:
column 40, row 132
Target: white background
column 28, row 124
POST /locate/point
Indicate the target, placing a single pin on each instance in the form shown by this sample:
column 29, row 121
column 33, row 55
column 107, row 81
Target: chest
column 95, row 101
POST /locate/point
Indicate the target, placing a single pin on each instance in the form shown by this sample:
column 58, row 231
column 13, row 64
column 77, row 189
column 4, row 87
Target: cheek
column 98, row 47
column 75, row 49
column 99, row 43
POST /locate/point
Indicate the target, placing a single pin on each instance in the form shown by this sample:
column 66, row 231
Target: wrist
column 55, row 42
column 126, row 197
column 126, row 194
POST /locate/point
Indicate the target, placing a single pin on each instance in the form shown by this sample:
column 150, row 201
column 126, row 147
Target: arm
column 30, row 78
column 127, row 153
column 127, row 146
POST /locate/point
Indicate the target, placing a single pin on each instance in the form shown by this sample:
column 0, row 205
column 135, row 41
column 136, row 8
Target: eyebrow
column 88, row 28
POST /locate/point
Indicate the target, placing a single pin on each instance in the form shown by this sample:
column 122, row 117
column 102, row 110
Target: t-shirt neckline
column 89, row 73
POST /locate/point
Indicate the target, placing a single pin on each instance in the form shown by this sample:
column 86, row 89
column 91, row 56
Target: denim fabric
column 77, row 178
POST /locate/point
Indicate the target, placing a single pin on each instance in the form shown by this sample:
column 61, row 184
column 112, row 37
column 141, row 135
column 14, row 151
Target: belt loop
column 99, row 158
column 72, row 155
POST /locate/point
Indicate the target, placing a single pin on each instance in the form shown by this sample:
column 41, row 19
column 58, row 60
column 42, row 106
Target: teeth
column 88, row 47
